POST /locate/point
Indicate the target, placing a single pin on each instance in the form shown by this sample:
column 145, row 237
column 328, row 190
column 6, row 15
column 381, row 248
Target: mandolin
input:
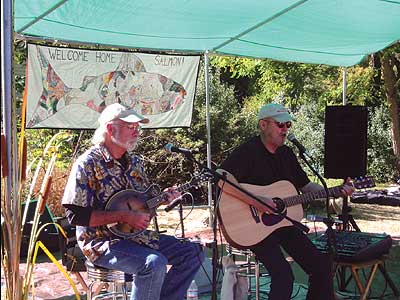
column 145, row 202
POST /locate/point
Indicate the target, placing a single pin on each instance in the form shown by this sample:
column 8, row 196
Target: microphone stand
column 217, row 177
column 181, row 220
column 330, row 233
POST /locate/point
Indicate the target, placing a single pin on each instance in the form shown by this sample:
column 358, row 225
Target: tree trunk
column 392, row 95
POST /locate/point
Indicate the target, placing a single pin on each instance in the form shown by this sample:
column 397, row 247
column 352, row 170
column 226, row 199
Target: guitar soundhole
column 272, row 219
column 280, row 205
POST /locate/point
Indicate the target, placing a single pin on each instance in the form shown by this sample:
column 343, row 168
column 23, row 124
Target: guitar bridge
column 254, row 213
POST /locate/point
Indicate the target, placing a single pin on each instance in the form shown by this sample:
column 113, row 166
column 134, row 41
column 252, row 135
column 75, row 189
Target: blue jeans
column 151, row 281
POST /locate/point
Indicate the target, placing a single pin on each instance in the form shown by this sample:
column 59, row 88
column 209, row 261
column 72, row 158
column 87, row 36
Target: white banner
column 68, row 87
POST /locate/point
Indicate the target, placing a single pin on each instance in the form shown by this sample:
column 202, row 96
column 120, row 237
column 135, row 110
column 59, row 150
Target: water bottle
column 192, row 292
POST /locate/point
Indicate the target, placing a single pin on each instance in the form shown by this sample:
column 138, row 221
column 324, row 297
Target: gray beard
column 129, row 146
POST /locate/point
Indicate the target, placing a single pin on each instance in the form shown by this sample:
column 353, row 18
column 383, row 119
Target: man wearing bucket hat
column 97, row 175
column 262, row 161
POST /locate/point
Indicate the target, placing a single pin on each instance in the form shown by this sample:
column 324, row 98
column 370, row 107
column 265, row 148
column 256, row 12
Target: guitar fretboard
column 304, row 198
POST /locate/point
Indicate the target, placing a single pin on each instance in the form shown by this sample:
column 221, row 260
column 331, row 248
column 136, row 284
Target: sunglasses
column 281, row 124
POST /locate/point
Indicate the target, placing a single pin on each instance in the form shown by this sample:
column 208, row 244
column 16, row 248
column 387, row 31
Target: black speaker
column 71, row 255
column 345, row 141
column 49, row 233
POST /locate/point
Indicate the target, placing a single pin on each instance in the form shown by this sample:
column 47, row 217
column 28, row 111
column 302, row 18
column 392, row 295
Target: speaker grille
column 345, row 141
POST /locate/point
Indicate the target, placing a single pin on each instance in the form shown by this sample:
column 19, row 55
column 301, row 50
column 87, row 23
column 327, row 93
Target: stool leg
column 257, row 279
column 90, row 291
column 124, row 292
column 357, row 280
column 114, row 290
column 369, row 281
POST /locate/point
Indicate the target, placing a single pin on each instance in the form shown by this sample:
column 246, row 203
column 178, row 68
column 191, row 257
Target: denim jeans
column 149, row 266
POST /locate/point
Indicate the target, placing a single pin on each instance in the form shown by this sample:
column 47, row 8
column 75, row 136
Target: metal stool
column 249, row 268
column 109, row 279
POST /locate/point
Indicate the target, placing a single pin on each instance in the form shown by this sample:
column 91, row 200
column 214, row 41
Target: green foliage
column 381, row 159
column 306, row 89
column 37, row 139
column 294, row 82
column 308, row 128
column 359, row 86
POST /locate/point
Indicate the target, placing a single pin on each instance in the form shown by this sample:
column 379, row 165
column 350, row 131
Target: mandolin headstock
column 200, row 178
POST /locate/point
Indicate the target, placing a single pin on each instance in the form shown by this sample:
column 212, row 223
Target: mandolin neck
column 163, row 197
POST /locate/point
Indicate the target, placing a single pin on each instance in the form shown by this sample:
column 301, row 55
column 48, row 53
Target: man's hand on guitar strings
column 347, row 188
column 269, row 202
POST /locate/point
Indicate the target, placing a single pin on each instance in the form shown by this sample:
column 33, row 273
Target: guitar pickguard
column 272, row 219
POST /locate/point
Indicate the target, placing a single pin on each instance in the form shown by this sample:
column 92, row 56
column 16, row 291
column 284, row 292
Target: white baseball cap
column 118, row 111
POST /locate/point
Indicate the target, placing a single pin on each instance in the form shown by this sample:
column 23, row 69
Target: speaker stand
column 346, row 217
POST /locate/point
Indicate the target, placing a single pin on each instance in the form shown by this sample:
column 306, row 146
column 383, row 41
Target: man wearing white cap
column 104, row 170
column 262, row 161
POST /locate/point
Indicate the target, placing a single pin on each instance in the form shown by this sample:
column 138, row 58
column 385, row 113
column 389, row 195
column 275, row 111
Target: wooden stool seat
column 355, row 266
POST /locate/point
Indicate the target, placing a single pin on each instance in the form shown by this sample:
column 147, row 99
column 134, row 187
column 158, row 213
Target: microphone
column 299, row 146
column 173, row 204
column 171, row 148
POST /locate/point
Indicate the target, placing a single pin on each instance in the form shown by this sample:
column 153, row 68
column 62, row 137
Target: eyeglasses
column 281, row 124
column 129, row 126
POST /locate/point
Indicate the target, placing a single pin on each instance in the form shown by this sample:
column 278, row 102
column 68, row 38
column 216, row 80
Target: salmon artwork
column 129, row 84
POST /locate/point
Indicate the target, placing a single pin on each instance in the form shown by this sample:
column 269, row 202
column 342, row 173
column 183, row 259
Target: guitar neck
column 304, row 198
column 160, row 199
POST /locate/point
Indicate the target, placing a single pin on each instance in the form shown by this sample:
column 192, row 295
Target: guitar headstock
column 363, row 182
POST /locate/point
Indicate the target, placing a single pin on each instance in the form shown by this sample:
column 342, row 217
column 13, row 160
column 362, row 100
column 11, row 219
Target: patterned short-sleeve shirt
column 95, row 177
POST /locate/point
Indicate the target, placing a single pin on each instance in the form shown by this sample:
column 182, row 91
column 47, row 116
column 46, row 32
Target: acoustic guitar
column 244, row 226
column 145, row 202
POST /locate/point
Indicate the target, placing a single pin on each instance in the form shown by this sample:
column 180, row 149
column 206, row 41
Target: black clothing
column 252, row 163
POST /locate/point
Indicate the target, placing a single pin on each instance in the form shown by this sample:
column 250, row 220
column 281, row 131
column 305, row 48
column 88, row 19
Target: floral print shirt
column 95, row 177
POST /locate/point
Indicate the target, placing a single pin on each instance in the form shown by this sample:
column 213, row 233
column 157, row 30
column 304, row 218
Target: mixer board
column 356, row 246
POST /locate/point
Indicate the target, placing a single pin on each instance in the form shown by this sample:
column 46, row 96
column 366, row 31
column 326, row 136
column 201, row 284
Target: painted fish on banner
column 69, row 87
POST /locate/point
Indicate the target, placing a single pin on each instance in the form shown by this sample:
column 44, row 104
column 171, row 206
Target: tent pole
column 42, row 16
column 6, row 85
column 207, row 84
column 212, row 209
column 11, row 209
column 344, row 85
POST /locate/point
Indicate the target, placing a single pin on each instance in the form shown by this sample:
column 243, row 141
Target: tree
column 390, row 60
